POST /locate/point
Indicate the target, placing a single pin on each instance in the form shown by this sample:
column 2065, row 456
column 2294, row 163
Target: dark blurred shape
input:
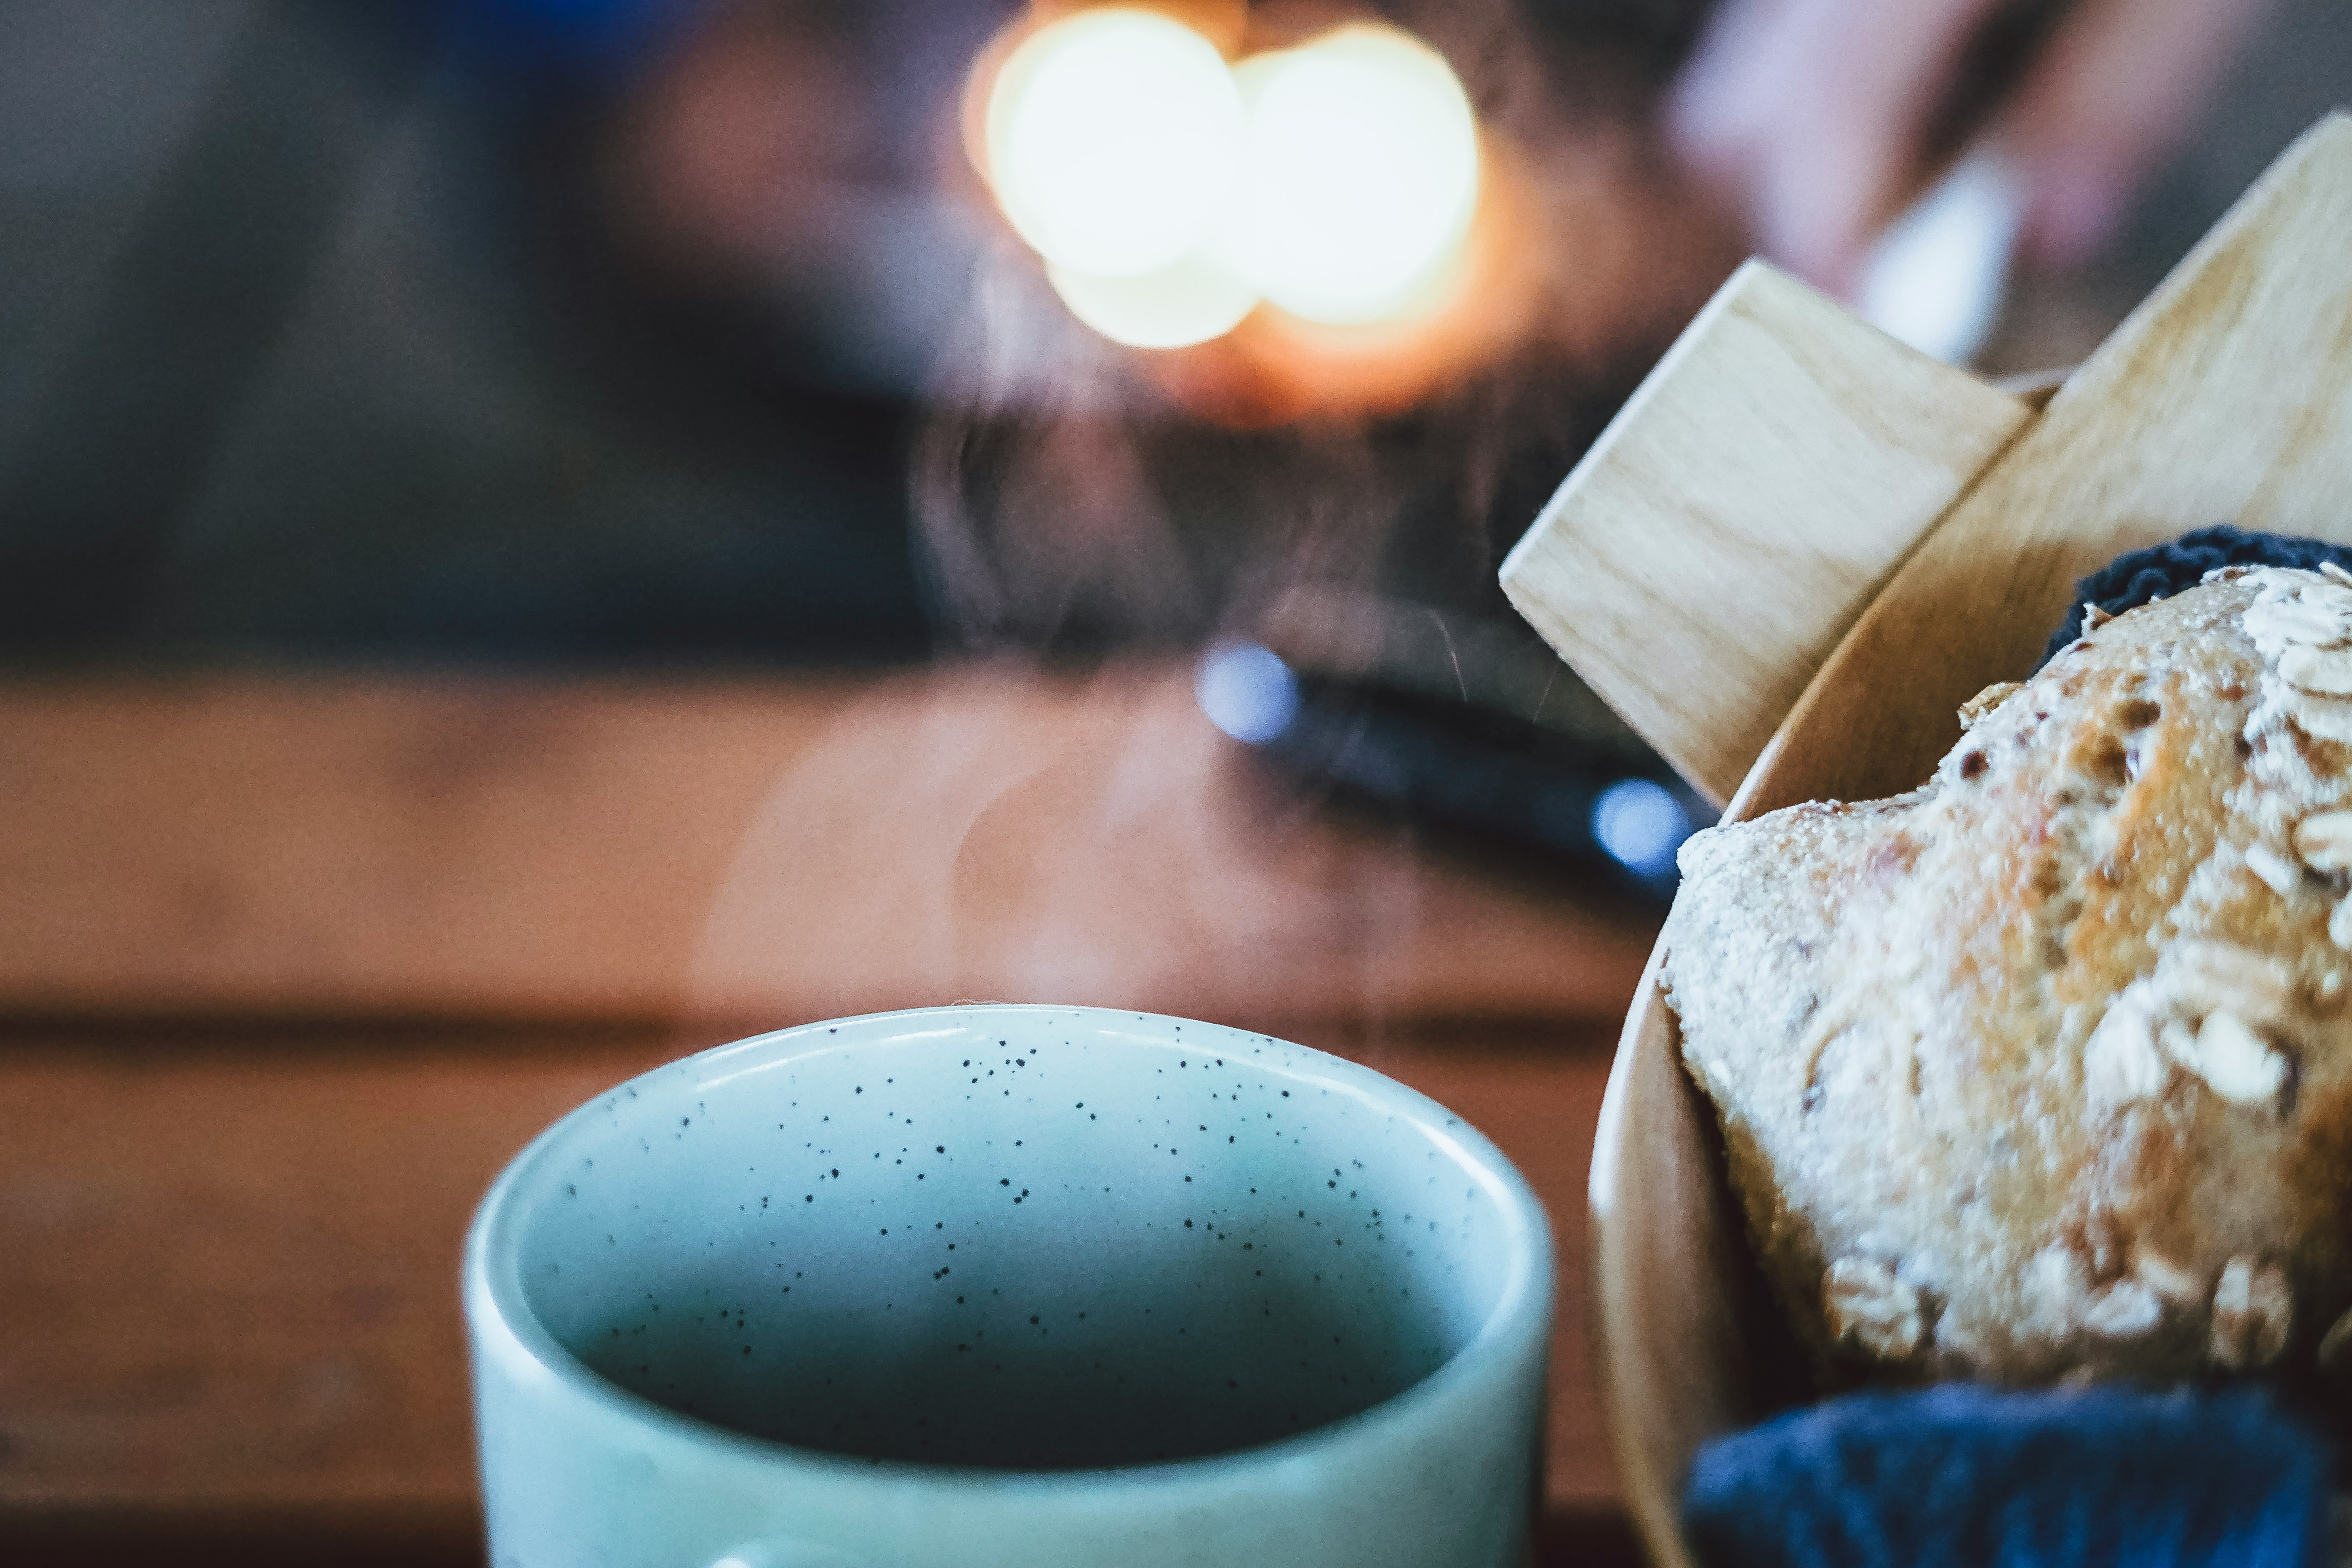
column 323, row 348
column 442, row 1535
column 1648, row 37
column 602, row 329
column 1567, row 804
column 198, row 295
column 602, row 36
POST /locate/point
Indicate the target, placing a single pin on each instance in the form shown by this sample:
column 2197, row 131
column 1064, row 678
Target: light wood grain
column 1705, row 557
column 758, row 853
column 1666, row 1320
column 2226, row 397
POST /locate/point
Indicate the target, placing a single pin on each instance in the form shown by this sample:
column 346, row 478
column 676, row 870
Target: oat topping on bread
column 2044, row 1070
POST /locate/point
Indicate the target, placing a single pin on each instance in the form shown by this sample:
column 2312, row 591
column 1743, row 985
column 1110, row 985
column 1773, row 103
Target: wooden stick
column 1743, row 508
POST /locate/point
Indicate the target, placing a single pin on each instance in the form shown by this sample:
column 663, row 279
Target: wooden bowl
column 2227, row 397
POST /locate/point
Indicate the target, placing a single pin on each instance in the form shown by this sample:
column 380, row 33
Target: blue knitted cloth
column 2145, row 576
column 1967, row 1476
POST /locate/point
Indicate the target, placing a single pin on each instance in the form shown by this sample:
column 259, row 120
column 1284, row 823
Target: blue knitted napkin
column 1968, row 1477
column 2143, row 576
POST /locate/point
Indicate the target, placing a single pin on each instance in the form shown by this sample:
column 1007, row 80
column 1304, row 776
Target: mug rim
column 494, row 1298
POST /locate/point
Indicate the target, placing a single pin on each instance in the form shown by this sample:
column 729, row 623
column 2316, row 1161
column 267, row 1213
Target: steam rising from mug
column 1170, row 194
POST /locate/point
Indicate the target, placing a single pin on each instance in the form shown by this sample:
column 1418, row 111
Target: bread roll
column 2044, row 1070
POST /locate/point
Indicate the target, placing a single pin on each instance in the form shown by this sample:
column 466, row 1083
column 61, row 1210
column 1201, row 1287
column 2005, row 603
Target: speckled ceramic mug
column 996, row 1286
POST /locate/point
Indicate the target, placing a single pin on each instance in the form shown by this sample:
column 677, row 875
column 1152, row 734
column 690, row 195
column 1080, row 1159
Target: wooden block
column 2226, row 397
column 1739, row 512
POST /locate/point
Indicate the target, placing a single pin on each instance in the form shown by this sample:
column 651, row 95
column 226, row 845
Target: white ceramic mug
column 994, row 1285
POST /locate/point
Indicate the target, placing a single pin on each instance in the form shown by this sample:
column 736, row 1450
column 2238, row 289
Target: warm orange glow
column 1275, row 367
column 1300, row 229
column 1359, row 176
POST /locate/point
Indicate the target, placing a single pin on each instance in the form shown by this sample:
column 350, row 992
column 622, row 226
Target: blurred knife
column 1456, row 767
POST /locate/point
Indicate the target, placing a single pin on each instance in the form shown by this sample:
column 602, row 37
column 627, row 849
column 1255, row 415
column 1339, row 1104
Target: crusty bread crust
column 2044, row 1070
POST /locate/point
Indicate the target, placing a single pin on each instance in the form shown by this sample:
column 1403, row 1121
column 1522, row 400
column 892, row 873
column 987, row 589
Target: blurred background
column 540, row 534
column 662, row 334
column 608, row 330
column 612, row 329
column 692, row 333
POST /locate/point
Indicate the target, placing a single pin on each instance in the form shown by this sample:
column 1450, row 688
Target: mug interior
column 1017, row 1238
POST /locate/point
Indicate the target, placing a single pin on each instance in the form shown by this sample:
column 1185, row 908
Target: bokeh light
column 1641, row 825
column 1325, row 198
column 1113, row 140
column 1359, row 173
column 1198, row 299
column 1247, row 691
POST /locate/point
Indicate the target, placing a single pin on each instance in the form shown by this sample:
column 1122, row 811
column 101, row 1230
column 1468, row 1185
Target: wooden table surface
column 289, row 967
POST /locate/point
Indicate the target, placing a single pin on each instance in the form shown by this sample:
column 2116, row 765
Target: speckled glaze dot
column 1113, row 1251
